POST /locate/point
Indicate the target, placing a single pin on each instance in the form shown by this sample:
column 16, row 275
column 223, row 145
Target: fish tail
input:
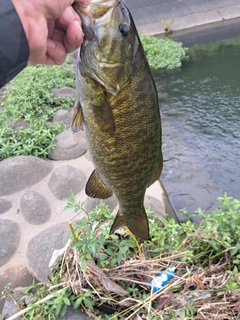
column 137, row 224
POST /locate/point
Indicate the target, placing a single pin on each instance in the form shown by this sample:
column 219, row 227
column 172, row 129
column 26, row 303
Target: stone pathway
column 33, row 193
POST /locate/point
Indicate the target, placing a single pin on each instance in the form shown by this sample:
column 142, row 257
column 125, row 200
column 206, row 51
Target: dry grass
column 202, row 291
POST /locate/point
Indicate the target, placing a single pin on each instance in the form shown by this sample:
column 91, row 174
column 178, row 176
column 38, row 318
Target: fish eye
column 124, row 29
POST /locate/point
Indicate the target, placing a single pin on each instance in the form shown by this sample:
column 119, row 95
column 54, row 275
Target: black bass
column 118, row 104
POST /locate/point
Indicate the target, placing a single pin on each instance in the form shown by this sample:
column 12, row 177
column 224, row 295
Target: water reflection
column 200, row 107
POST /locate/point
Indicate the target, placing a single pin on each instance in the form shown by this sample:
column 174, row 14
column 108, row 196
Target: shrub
column 163, row 53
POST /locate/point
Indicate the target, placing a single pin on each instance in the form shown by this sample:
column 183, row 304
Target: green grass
column 29, row 98
column 210, row 249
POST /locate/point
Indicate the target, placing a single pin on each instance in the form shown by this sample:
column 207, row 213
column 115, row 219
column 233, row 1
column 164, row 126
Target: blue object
column 159, row 282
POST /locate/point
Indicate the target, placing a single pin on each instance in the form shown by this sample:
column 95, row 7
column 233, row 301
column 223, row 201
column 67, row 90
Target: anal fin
column 96, row 188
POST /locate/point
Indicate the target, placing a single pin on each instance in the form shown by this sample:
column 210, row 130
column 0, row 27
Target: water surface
column 200, row 107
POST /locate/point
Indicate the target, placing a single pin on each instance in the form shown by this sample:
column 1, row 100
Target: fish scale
column 118, row 104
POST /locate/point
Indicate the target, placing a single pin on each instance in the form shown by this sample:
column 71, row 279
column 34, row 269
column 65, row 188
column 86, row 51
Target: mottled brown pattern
column 127, row 157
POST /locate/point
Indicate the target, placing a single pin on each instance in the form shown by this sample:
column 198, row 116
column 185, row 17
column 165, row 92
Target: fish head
column 108, row 52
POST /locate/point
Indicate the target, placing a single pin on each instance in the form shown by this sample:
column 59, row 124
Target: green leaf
column 88, row 303
column 66, row 301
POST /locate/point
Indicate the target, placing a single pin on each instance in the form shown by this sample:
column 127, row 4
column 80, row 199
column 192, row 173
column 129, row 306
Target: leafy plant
column 92, row 269
column 163, row 53
column 108, row 250
column 29, row 99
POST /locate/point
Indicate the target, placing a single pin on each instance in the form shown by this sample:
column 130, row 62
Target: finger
column 74, row 37
column 56, row 53
column 58, row 36
column 67, row 17
column 51, row 27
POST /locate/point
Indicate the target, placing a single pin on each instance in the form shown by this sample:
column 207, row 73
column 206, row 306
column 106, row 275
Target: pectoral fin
column 102, row 112
column 104, row 118
column 77, row 118
column 137, row 224
column 96, row 188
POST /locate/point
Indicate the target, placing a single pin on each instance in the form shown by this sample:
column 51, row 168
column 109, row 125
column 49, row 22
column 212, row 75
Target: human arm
column 49, row 30
column 14, row 50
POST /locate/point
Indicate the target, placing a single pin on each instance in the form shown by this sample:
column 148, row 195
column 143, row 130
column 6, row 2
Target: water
column 200, row 107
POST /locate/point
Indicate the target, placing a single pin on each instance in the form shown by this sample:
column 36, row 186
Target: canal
column 200, row 108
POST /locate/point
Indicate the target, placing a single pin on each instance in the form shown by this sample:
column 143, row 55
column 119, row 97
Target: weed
column 163, row 53
column 29, row 98
column 97, row 263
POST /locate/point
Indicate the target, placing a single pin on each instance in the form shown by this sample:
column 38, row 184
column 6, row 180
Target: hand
column 52, row 27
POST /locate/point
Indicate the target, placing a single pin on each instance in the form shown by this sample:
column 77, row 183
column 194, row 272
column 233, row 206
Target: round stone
column 64, row 92
column 35, row 208
column 21, row 123
column 20, row 172
column 5, row 205
column 41, row 247
column 10, row 236
column 155, row 205
column 66, row 180
column 11, row 304
column 69, row 146
column 63, row 116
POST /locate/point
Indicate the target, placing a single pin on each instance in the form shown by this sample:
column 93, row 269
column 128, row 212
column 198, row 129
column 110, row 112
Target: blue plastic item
column 159, row 282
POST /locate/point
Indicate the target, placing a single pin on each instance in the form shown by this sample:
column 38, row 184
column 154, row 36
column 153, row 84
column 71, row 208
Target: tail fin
column 137, row 224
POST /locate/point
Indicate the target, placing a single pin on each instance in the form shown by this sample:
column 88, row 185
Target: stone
column 10, row 236
column 35, row 208
column 155, row 205
column 63, row 116
column 20, row 172
column 10, row 308
column 91, row 203
column 69, row 146
column 73, row 314
column 66, row 180
column 64, row 92
column 5, row 205
column 20, row 124
column 41, row 247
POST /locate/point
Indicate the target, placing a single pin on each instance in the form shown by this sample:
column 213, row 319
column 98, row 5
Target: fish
column 118, row 107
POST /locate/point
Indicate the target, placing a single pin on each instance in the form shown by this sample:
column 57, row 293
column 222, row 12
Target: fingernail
column 68, row 15
column 79, row 33
column 51, row 44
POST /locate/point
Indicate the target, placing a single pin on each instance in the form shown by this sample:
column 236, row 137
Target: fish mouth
column 99, row 12
column 99, row 8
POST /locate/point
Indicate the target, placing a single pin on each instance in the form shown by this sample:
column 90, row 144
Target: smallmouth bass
column 118, row 104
